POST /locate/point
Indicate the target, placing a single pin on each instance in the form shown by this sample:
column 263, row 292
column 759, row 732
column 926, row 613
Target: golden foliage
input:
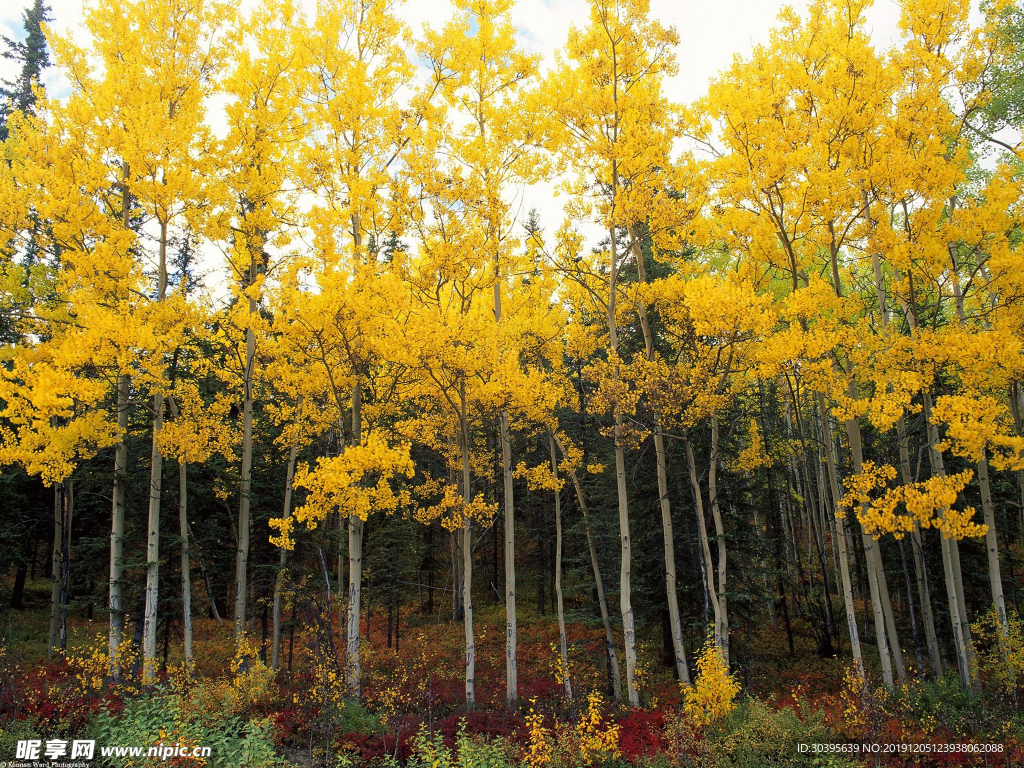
column 713, row 693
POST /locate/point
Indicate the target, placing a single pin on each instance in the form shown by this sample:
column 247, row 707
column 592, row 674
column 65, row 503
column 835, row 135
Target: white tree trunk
column 992, row 548
column 622, row 495
column 275, row 651
column 156, row 468
column 920, row 569
column 467, row 558
column 870, row 555
column 116, row 604
column 668, row 536
column 242, row 552
column 609, row 640
column 675, row 626
column 186, row 573
column 709, row 580
column 156, row 465
column 961, row 633
column 722, row 627
column 355, row 567
column 839, row 535
column 511, row 635
column 562, row 646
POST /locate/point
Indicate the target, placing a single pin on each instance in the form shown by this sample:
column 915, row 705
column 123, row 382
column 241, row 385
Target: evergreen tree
column 34, row 57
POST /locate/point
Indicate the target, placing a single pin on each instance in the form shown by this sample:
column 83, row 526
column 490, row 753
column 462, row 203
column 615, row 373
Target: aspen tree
column 53, row 400
column 600, row 95
column 356, row 67
column 481, row 73
column 198, row 429
column 570, row 461
column 930, row 233
column 800, row 199
column 135, row 123
column 450, row 345
column 562, row 649
column 713, row 324
column 255, row 204
column 465, row 369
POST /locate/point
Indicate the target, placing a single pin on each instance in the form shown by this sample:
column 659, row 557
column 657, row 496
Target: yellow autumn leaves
column 357, row 482
column 928, row 503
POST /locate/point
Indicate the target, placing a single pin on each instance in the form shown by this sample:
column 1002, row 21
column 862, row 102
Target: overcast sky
column 711, row 33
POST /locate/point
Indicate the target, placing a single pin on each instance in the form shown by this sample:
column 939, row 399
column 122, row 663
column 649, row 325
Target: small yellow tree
column 713, row 694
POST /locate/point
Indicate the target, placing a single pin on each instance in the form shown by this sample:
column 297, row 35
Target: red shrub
column 642, row 734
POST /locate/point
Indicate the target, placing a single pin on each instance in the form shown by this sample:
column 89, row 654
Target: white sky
column 711, row 34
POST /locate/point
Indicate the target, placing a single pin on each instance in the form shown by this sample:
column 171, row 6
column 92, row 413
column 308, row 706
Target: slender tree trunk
column 153, row 548
column 625, row 542
column 965, row 623
column 925, row 597
column 511, row 636
column 275, row 652
column 910, row 606
column 355, row 565
column 698, row 510
column 814, row 506
column 920, row 568
column 870, row 557
column 885, row 629
column 65, row 561
column 156, row 471
column 116, row 604
column 206, row 582
column 722, row 630
column 668, row 536
column 828, row 523
column 890, row 621
column 935, row 461
column 839, row 535
column 242, row 553
column 954, row 545
column 709, row 580
column 959, row 636
column 675, row 626
column 186, row 572
column 954, row 592
column 562, row 647
column 467, row 557
column 56, row 570
column 609, row 640
column 817, row 535
column 992, row 547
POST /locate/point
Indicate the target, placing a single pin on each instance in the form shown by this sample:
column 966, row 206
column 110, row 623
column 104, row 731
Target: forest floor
column 413, row 693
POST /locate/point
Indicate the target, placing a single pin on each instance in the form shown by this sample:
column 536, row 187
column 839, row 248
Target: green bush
column 757, row 736
column 13, row 731
column 147, row 720
column 353, row 717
